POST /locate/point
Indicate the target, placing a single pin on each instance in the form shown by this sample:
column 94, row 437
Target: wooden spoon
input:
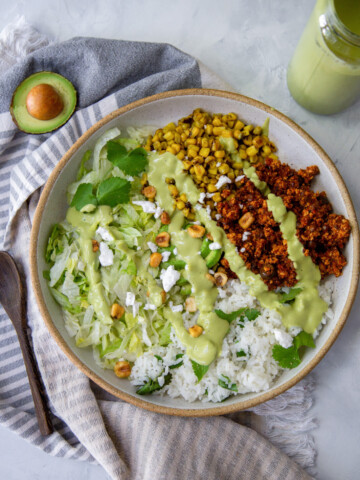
column 12, row 298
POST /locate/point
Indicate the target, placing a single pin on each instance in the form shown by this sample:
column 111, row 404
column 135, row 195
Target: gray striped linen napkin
column 90, row 424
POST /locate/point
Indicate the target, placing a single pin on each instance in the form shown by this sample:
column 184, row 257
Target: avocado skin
column 18, row 103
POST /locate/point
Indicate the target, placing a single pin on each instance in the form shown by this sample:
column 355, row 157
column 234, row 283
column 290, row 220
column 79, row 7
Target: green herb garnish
column 227, row 384
column 241, row 353
column 130, row 162
column 229, row 317
column 158, row 357
column 289, row 297
column 290, row 357
column 177, row 365
column 199, row 370
column 153, row 385
column 111, row 192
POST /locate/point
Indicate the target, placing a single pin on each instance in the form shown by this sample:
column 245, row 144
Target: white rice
column 254, row 372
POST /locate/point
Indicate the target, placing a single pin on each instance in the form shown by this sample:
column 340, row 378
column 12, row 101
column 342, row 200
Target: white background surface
column 248, row 44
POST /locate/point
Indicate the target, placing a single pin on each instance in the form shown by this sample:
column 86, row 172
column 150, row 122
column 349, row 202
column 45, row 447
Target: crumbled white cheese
column 222, row 181
column 158, row 211
column 149, row 306
column 240, row 177
column 218, row 164
column 211, row 271
column 175, row 251
column 202, row 197
column 284, row 339
column 105, row 234
column 130, row 299
column 208, row 210
column 148, row 207
column 197, row 207
column 152, row 246
column 241, row 205
column 165, row 256
column 245, row 236
column 215, row 246
column 176, row 308
column 242, row 250
column 169, row 277
column 209, row 195
column 106, row 257
column 217, row 216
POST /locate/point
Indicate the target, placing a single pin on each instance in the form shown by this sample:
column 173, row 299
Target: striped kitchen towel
column 90, row 424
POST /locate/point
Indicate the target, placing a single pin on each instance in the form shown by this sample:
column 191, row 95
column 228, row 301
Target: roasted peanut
column 149, row 192
column 210, row 277
column 155, row 259
column 165, row 218
column 220, row 279
column 196, row 231
column 163, row 239
column 122, row 369
column 95, row 245
column 117, row 311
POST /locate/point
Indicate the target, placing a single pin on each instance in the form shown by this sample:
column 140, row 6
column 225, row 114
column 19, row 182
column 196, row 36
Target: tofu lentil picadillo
column 157, row 264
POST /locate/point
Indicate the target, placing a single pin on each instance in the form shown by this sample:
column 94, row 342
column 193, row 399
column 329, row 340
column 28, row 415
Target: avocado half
column 54, row 94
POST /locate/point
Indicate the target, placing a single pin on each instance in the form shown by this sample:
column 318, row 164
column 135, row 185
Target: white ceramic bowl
column 294, row 147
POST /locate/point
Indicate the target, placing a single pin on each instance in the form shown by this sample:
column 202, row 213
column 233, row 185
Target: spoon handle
column 37, row 390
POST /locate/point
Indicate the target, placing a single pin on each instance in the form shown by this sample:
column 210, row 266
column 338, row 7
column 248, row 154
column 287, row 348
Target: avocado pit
column 43, row 102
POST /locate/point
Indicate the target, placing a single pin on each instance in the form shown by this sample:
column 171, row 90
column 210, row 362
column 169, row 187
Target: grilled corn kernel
column 204, row 152
column 257, row 131
column 212, row 171
column 144, row 179
column 117, row 311
column 266, row 150
column 122, row 369
column 224, row 169
column 217, row 197
column 218, row 130
column 181, row 155
column 183, row 197
column 273, row 156
column 173, row 190
column 169, row 136
column 209, row 129
column 251, row 151
column 211, row 188
column 186, row 164
column 195, row 132
column 246, row 220
column 180, row 205
column 195, row 331
column 239, row 125
column 171, row 150
column 219, row 154
column 199, row 170
column 258, row 142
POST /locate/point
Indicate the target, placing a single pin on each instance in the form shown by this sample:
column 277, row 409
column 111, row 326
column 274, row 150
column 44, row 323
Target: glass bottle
column 324, row 73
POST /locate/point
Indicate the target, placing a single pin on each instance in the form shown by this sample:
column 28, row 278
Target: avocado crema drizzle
column 305, row 312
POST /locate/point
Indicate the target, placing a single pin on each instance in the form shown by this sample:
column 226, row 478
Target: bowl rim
column 241, row 404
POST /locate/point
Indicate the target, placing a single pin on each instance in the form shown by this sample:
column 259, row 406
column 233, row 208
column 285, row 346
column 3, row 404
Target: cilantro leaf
column 158, row 357
column 241, row 353
column 227, row 383
column 304, row 339
column 83, row 196
column 112, row 191
column 251, row 314
column 153, row 385
column 229, row 317
column 199, row 370
column 290, row 357
column 286, row 357
column 289, row 297
column 177, row 365
column 131, row 163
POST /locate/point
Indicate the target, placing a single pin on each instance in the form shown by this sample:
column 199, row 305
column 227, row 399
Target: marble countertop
column 248, row 44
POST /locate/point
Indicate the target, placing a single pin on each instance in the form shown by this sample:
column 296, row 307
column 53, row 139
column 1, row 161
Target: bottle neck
column 344, row 43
